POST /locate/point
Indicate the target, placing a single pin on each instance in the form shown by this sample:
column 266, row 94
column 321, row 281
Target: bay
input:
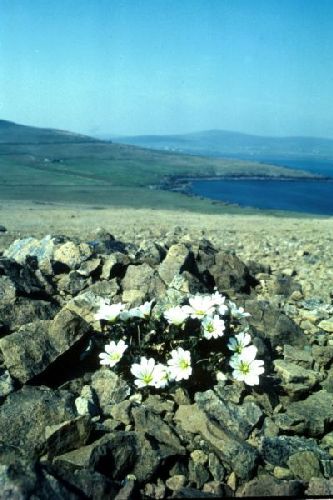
column 315, row 197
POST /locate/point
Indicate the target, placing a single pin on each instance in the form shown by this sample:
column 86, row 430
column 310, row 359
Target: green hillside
column 58, row 166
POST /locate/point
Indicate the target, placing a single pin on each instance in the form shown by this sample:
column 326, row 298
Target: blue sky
column 168, row 66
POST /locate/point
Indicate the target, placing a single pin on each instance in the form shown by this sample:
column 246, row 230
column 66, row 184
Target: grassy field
column 42, row 165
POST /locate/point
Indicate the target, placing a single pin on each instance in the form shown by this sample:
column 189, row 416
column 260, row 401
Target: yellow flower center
column 244, row 367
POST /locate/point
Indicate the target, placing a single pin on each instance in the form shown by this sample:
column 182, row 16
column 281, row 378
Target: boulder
column 26, row 413
column 30, row 350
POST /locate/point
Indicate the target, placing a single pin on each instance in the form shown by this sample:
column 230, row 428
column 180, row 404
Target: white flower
column 200, row 306
column 109, row 312
column 142, row 311
column 145, row 372
column 176, row 315
column 218, row 300
column 180, row 364
column 113, row 353
column 161, row 376
column 239, row 342
column 246, row 368
column 237, row 312
column 213, row 327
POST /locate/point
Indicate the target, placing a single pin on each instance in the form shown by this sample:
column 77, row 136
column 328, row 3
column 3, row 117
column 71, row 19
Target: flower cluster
column 186, row 341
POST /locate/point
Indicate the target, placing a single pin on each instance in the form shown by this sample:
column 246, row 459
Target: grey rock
column 297, row 356
column 230, row 273
column 239, row 420
column 268, row 486
column 26, row 413
column 42, row 249
column 26, row 310
column 274, row 326
column 152, row 425
column 144, row 280
column 89, row 267
column 7, row 291
column 109, row 389
column 277, row 450
column 7, row 384
column 323, row 355
column 159, row 405
column 176, row 482
column 27, row 279
column 3, row 229
column 70, row 434
column 113, row 455
column 72, row 283
column 198, row 474
column 316, row 410
column 114, row 266
column 19, row 481
column 235, row 454
column 304, row 465
column 72, row 255
column 326, row 325
column 295, row 378
column 122, row 412
column 319, row 487
column 177, row 260
column 216, row 468
column 31, row 349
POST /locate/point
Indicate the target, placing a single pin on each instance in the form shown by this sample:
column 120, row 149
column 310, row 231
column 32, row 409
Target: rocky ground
column 72, row 429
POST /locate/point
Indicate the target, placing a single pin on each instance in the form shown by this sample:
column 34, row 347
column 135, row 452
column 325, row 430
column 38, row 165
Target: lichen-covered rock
column 31, row 349
column 26, row 413
column 268, row 486
column 238, row 419
column 236, row 455
column 143, row 280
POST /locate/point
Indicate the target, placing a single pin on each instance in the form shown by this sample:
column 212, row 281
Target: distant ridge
column 236, row 144
column 13, row 133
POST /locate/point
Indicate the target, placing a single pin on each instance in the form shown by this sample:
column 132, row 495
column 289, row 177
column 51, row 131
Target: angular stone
column 113, row 455
column 143, row 279
column 317, row 412
column 230, row 273
column 41, row 249
column 291, row 373
column 238, row 419
column 72, row 255
column 152, row 425
column 304, row 465
column 277, row 450
column 323, row 355
column 7, row 291
column 319, row 487
column 7, row 384
column 30, row 350
column 26, row 413
column 268, row 486
column 326, row 325
column 297, row 356
column 66, row 436
column 239, row 456
column 177, row 260
column 109, row 388
column 274, row 326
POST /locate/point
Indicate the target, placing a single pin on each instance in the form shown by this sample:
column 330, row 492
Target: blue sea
column 314, row 197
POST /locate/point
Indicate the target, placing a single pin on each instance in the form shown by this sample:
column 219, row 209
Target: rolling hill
column 46, row 165
column 223, row 143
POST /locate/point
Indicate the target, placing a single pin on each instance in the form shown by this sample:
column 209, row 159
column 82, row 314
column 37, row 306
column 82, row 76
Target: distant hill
column 47, row 165
column 223, row 143
column 12, row 133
